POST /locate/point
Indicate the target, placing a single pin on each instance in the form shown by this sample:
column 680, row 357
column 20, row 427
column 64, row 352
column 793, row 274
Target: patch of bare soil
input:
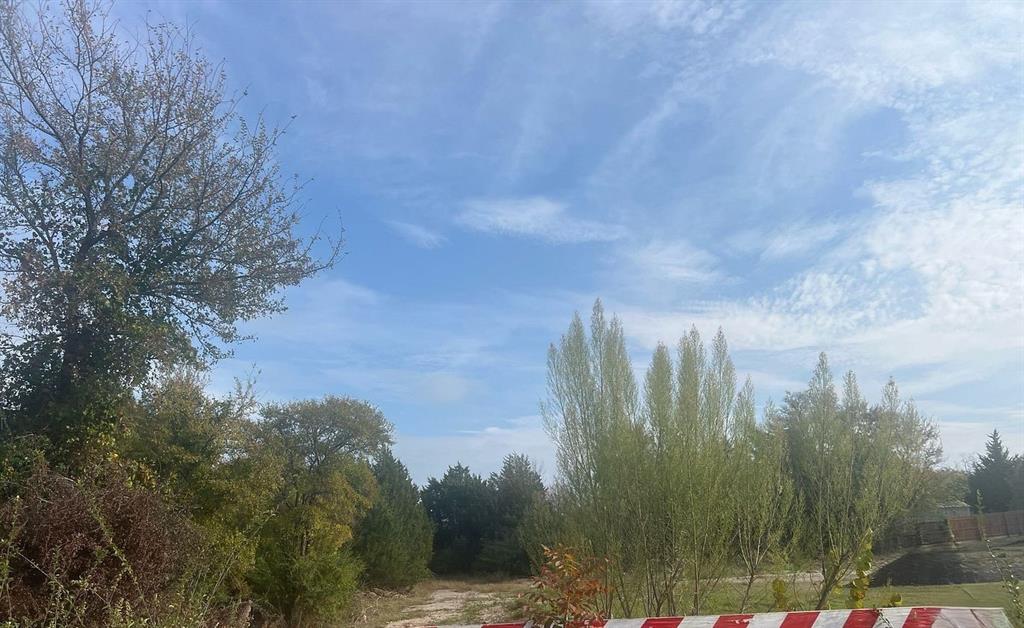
column 445, row 605
column 952, row 564
column 456, row 601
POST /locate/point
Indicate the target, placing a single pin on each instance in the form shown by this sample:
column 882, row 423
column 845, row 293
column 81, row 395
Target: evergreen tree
column 460, row 506
column 516, row 489
column 395, row 538
column 991, row 476
column 1017, row 483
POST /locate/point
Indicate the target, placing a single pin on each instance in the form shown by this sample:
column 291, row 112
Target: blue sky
column 843, row 177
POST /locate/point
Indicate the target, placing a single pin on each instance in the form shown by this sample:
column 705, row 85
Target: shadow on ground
column 952, row 564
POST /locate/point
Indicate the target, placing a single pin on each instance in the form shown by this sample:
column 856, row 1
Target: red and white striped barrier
column 917, row 617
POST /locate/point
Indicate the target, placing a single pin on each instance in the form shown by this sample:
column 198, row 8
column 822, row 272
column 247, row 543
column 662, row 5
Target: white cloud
column 403, row 384
column 417, row 234
column 535, row 217
column 666, row 262
column 964, row 439
column 785, row 242
column 481, row 450
column 699, row 17
column 444, row 387
column 891, row 53
column 929, row 283
column 933, row 275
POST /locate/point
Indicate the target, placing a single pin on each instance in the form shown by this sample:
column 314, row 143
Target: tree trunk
column 746, row 593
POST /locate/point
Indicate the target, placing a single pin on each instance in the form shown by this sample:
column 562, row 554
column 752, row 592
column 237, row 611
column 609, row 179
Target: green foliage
column 460, row 506
column 764, row 494
column 942, row 487
column 676, row 483
column 305, row 581
column 395, row 539
column 202, row 454
column 648, row 477
column 591, row 414
column 516, row 489
column 543, row 525
column 166, row 224
column 994, row 477
column 855, row 467
column 304, row 568
column 858, row 587
column 782, row 599
column 272, row 507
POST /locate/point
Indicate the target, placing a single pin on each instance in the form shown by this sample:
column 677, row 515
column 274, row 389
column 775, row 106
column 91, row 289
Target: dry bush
column 87, row 551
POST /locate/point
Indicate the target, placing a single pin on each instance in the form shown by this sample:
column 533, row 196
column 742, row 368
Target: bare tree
column 140, row 217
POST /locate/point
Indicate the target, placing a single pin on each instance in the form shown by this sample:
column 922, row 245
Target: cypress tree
column 990, row 476
column 395, row 538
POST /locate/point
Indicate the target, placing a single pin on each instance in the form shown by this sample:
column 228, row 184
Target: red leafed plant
column 567, row 592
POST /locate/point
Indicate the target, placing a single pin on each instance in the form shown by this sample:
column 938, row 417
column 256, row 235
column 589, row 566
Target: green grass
column 726, row 599
column 983, row 594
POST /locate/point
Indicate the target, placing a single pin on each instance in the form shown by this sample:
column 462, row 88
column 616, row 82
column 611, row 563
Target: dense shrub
column 304, row 570
column 568, row 591
column 80, row 551
column 201, row 453
column 395, row 538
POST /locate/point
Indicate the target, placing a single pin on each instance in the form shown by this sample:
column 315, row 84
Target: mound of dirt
column 948, row 564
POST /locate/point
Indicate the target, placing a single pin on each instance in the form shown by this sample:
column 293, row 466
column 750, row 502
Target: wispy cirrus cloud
column 925, row 282
column 829, row 176
column 535, row 217
column 666, row 263
column 787, row 241
column 417, row 234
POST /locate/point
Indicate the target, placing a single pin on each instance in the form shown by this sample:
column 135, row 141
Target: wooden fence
column 993, row 523
column 953, row 529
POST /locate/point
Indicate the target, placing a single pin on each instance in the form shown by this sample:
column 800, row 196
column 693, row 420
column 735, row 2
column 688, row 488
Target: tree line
column 678, row 484
column 204, row 503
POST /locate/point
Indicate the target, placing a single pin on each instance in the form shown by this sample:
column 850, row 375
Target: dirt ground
column 441, row 602
column 966, row 562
